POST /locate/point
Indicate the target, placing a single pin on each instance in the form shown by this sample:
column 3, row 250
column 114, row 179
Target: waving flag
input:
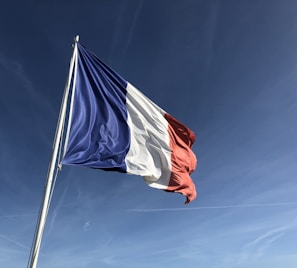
column 115, row 127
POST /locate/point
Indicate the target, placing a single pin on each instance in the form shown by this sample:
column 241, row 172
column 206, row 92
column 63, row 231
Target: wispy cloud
column 269, row 236
column 132, row 28
column 57, row 208
column 27, row 89
column 13, row 241
column 16, row 68
column 259, row 245
column 211, row 33
column 86, row 226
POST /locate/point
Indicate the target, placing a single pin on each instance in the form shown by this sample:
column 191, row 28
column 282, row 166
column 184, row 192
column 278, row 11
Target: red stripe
column 183, row 159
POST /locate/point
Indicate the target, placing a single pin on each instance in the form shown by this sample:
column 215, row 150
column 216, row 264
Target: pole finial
column 76, row 39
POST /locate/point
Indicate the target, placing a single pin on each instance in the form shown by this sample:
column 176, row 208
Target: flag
column 115, row 127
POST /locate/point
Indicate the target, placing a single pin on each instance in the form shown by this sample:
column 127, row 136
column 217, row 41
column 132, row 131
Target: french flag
column 113, row 126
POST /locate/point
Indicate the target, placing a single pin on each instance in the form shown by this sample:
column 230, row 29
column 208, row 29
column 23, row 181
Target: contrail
column 18, row 215
column 213, row 207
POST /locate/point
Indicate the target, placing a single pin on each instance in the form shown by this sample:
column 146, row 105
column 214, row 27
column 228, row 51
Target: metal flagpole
column 70, row 110
column 49, row 181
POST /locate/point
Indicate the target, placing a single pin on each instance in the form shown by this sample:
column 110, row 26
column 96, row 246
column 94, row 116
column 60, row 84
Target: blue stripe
column 99, row 135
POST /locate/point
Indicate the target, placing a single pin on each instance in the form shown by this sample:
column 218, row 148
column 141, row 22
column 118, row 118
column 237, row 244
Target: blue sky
column 227, row 69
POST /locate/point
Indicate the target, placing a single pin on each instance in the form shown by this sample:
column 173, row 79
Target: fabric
column 115, row 127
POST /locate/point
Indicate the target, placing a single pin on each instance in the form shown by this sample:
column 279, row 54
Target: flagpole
column 52, row 166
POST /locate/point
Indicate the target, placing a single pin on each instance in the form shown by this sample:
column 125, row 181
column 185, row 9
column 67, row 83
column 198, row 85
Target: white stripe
column 149, row 155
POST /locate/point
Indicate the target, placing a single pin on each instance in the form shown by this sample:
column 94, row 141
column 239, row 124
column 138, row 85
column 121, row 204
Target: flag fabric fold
column 116, row 127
